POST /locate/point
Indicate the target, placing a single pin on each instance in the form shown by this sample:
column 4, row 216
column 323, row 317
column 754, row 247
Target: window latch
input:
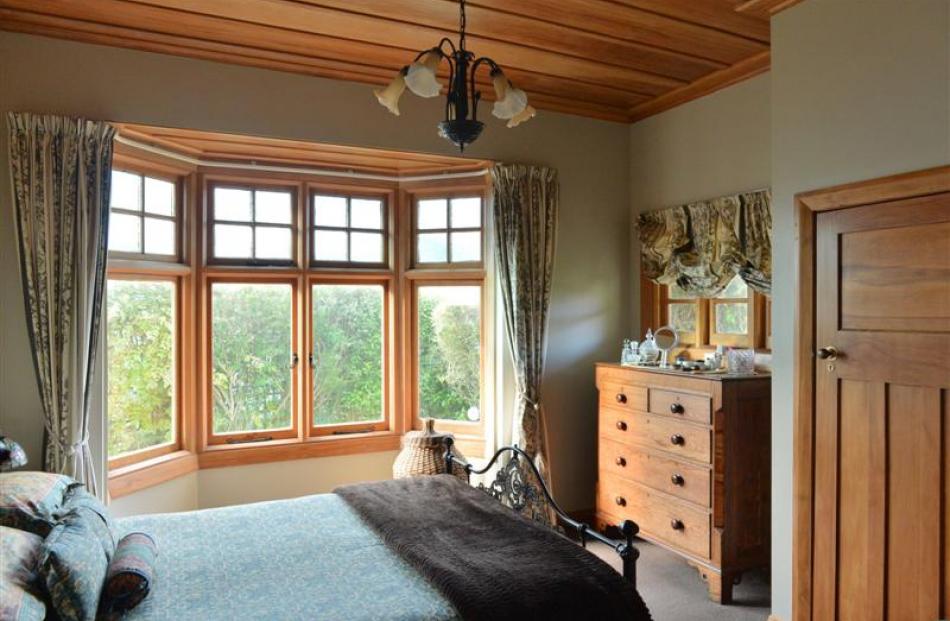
column 294, row 361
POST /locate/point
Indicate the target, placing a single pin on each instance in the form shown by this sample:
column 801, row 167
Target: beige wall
column 860, row 89
column 179, row 494
column 591, row 275
column 717, row 145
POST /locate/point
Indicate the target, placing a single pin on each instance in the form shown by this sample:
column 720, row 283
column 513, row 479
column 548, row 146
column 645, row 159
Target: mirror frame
column 665, row 351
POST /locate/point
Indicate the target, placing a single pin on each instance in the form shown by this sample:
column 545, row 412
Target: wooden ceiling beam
column 710, row 13
column 764, row 8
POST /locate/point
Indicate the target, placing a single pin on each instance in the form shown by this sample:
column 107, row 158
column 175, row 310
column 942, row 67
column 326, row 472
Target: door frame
column 808, row 205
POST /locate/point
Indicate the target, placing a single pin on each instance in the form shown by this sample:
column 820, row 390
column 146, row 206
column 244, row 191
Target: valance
column 701, row 246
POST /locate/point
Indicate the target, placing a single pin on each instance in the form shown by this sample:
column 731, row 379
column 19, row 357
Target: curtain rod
column 321, row 172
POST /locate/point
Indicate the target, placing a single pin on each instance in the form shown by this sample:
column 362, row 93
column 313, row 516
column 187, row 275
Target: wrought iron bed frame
column 511, row 490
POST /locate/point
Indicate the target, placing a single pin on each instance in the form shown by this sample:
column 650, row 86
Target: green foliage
column 140, row 317
column 251, row 356
column 449, row 350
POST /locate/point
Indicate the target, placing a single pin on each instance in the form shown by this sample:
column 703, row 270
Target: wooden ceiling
column 214, row 148
column 619, row 60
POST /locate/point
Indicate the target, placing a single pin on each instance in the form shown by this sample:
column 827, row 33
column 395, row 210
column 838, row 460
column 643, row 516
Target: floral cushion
column 20, row 599
column 73, row 562
column 129, row 576
column 28, row 500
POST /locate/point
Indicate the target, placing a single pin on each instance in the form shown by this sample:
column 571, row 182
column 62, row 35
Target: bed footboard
column 513, row 486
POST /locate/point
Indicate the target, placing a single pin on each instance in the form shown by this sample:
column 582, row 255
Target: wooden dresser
column 687, row 457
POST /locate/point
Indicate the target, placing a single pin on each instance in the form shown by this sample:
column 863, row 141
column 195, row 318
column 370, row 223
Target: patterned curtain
column 525, row 224
column 61, row 171
column 701, row 246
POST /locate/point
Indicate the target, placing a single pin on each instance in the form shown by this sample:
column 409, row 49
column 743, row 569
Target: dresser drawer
column 623, row 397
column 660, row 518
column 686, row 481
column 692, row 407
column 670, row 436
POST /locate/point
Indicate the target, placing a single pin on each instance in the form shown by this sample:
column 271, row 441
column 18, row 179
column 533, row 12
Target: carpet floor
column 674, row 591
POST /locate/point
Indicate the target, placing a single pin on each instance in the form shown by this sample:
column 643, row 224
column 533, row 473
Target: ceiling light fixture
column 461, row 125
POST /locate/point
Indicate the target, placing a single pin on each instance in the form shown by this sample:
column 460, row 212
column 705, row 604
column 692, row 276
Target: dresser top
column 720, row 376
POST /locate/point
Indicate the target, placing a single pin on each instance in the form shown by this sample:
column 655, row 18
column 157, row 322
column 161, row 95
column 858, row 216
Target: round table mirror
column 666, row 339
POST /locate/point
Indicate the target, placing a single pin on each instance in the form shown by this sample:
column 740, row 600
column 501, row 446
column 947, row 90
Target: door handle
column 829, row 353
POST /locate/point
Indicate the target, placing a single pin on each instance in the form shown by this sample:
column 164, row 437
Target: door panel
column 881, row 538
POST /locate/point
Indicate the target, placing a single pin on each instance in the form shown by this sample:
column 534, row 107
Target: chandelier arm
column 476, row 95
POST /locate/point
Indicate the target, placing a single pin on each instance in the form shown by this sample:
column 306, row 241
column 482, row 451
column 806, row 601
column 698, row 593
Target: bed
column 380, row 551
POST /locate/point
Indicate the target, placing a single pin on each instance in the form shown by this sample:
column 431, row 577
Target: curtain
column 60, row 171
column 525, row 227
column 701, row 246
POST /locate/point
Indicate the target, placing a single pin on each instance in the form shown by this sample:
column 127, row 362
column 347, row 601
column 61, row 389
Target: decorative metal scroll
column 515, row 490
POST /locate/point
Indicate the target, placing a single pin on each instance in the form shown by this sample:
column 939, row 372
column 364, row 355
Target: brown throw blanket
column 487, row 560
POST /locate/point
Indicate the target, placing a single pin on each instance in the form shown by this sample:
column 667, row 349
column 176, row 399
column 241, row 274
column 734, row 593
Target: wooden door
column 881, row 526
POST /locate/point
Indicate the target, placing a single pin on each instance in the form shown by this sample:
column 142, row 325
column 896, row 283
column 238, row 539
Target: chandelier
column 461, row 125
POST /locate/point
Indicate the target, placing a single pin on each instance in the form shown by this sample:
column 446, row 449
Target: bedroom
column 853, row 91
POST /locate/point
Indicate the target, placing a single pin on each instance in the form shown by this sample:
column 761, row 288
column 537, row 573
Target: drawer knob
column 621, row 398
column 677, row 439
column 678, row 480
column 622, row 426
column 677, row 524
column 621, row 501
column 620, row 461
column 677, row 408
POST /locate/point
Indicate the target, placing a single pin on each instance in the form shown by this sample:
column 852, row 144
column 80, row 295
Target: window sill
column 225, row 455
column 134, row 477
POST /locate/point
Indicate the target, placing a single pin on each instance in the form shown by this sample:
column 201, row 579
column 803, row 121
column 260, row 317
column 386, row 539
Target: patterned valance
column 701, row 246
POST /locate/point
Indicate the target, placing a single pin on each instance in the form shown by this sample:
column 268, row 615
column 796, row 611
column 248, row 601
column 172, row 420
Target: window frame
column 448, row 195
column 178, row 420
column 251, row 184
column 178, row 219
column 385, row 197
column 239, row 438
column 727, row 339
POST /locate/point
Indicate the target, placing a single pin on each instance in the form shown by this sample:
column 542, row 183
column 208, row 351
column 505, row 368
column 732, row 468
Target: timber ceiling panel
column 619, row 60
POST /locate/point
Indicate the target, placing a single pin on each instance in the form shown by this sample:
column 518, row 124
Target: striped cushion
column 19, row 595
column 130, row 575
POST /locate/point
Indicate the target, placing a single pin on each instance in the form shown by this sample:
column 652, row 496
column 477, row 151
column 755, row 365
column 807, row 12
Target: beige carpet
column 674, row 591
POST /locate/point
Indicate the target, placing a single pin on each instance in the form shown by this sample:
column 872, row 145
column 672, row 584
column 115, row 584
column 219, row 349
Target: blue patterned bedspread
column 305, row 558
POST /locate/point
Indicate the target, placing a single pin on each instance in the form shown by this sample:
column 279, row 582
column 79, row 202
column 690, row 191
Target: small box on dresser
column 688, row 457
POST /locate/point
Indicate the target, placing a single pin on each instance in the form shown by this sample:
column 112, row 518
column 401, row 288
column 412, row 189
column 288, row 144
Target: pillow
column 130, row 575
column 19, row 597
column 28, row 499
column 73, row 563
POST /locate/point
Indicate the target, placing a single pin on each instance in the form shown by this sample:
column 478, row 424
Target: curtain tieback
column 75, row 447
column 534, row 404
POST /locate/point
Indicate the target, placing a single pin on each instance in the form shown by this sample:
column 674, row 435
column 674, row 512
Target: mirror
column 666, row 339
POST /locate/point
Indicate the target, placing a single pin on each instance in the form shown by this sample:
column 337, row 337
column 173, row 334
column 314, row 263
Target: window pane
column 432, row 214
column 449, row 352
column 329, row 245
column 125, row 233
column 232, row 241
column 159, row 236
column 232, row 204
column 347, row 353
column 126, row 190
column 271, row 242
column 732, row 318
column 272, row 207
column 251, row 356
column 159, row 197
column 329, row 211
column 466, row 246
column 366, row 214
column 366, row 247
column 140, row 350
column 683, row 319
column 676, row 293
column 432, row 248
column 735, row 289
column 466, row 213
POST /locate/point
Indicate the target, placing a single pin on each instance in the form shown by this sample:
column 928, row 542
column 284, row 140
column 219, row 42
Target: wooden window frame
column 385, row 197
column 749, row 339
column 177, row 219
column 242, row 437
column 448, row 195
column 252, row 185
column 178, row 401
column 388, row 376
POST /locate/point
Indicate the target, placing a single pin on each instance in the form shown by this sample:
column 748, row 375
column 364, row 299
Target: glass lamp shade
column 420, row 77
column 524, row 115
column 389, row 96
column 12, row 454
column 509, row 101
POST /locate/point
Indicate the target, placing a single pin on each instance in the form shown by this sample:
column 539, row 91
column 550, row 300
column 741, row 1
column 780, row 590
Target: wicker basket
column 423, row 453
